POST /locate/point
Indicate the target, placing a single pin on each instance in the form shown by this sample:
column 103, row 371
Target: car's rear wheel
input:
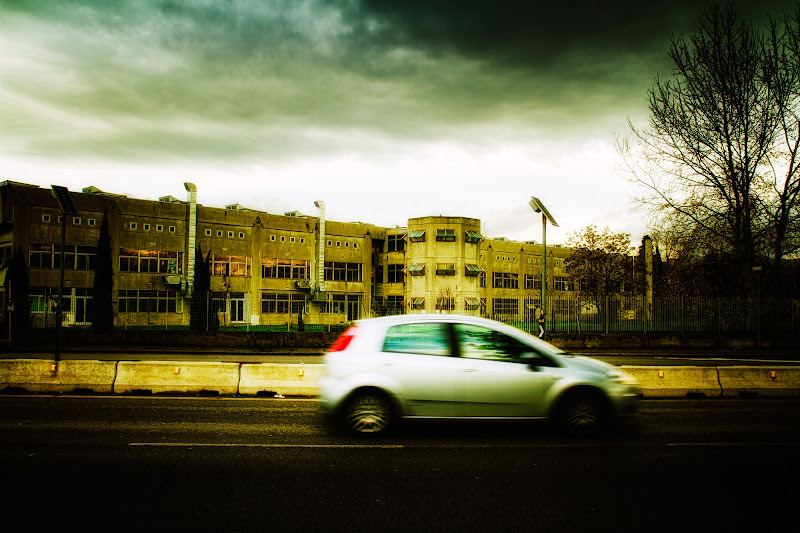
column 368, row 413
column 582, row 414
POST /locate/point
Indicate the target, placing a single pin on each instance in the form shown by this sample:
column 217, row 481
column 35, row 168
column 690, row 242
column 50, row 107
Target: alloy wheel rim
column 368, row 414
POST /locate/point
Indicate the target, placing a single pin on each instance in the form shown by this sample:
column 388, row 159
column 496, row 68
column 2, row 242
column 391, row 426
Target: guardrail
column 297, row 379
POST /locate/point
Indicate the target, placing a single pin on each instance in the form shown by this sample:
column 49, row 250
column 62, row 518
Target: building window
column 230, row 235
column 533, row 282
column 472, row 270
column 445, row 235
column 394, row 273
column 445, row 303
column 416, row 269
column 505, row 306
column 133, row 225
column 472, row 304
column 76, row 221
column 159, row 227
column 417, row 303
column 417, row 236
column 230, row 265
column 76, row 257
column 45, row 218
column 91, row 222
column 561, row 283
column 272, row 267
column 241, row 235
column 172, row 229
column 148, row 301
column 393, row 303
column 395, row 243
column 505, row 280
column 291, row 239
column 336, row 271
column 153, row 261
column 302, row 240
column 219, row 233
column 445, row 269
column 208, row 233
column 473, row 236
column 282, row 303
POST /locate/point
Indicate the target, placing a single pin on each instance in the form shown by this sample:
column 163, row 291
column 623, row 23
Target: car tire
column 582, row 415
column 367, row 414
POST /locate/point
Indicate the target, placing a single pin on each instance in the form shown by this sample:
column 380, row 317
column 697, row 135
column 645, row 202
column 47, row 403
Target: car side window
column 478, row 342
column 427, row 339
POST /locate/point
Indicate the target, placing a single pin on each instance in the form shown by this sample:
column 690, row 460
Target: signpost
column 758, row 268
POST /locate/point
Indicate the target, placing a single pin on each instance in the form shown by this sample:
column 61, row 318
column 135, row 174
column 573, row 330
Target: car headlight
column 623, row 378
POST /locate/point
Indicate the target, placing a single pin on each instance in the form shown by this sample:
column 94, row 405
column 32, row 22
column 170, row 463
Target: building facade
column 265, row 269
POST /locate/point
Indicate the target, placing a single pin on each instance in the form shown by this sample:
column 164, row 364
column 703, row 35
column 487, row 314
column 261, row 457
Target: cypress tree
column 102, row 308
column 203, row 314
column 20, row 292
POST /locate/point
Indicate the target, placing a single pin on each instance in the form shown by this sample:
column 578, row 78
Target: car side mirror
column 532, row 359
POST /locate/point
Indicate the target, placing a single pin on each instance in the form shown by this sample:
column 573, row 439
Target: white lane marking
column 464, row 446
column 246, row 445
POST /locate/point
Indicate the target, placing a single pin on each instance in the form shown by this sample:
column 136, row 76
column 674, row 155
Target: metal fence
column 676, row 315
column 565, row 314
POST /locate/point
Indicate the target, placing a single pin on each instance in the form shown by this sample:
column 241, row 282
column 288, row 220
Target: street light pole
column 539, row 207
column 64, row 199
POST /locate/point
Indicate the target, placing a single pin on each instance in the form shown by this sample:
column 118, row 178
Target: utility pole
column 539, row 207
column 64, row 199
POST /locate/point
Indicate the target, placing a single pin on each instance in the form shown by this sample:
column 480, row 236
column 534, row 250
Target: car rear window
column 427, row 339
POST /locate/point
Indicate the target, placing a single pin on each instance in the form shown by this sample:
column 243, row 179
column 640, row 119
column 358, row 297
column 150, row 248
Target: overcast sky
column 383, row 109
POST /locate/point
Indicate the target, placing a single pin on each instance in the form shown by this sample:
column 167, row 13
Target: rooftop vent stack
column 321, row 246
column 191, row 236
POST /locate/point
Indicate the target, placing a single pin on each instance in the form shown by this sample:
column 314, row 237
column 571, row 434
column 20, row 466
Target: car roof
column 428, row 317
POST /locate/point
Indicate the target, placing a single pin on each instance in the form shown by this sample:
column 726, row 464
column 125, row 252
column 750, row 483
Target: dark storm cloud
column 244, row 77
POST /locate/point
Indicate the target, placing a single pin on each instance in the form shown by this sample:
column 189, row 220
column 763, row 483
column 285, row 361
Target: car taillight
column 343, row 341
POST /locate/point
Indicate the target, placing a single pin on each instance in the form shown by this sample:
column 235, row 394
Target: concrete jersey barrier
column 39, row 375
column 177, row 377
column 180, row 377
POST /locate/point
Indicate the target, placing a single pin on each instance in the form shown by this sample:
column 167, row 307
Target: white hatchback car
column 460, row 367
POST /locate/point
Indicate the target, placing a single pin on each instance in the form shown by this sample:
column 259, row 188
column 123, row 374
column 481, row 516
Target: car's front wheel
column 582, row 414
column 367, row 413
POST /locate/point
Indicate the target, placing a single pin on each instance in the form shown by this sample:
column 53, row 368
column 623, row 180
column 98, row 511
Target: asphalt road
column 239, row 464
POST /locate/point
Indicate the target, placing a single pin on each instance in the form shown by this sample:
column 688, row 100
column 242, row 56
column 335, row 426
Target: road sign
column 758, row 267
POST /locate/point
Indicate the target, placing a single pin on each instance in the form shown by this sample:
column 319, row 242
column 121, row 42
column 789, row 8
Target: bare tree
column 718, row 160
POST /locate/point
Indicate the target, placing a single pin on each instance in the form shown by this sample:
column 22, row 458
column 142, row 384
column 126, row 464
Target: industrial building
column 266, row 269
